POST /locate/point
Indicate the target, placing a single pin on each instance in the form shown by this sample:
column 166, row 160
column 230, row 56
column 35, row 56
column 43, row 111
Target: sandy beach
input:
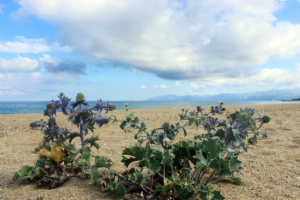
column 270, row 170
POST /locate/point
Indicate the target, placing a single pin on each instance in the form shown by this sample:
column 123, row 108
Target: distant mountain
column 272, row 95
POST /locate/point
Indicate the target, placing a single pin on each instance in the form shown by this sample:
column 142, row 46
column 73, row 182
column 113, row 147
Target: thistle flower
column 50, row 105
column 244, row 116
column 35, row 124
column 80, row 99
column 166, row 125
column 61, row 94
column 51, row 120
column 111, row 107
column 80, row 96
column 100, row 119
column 198, row 108
column 128, row 119
column 126, row 105
column 64, row 103
column 51, row 108
column 266, row 119
column 263, row 118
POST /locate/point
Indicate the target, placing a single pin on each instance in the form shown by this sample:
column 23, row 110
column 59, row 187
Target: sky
column 138, row 49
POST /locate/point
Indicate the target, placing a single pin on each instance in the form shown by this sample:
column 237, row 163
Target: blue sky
column 135, row 50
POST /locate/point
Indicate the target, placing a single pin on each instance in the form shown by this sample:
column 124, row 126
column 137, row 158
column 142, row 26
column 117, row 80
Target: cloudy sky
column 139, row 49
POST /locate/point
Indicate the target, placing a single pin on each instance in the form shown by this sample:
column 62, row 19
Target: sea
column 18, row 107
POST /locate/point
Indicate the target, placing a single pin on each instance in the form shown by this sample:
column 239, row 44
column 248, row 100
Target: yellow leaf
column 55, row 153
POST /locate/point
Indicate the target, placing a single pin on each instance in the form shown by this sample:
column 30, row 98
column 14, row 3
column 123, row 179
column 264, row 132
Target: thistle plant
column 61, row 156
column 186, row 169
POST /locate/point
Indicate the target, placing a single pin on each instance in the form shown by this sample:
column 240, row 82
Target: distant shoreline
column 292, row 100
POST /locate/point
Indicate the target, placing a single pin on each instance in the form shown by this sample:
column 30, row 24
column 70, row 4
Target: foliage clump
column 166, row 169
column 59, row 158
column 187, row 169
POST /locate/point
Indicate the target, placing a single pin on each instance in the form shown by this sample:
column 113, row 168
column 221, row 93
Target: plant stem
column 71, row 109
column 214, row 181
column 81, row 135
column 164, row 173
column 211, row 126
column 210, row 177
column 176, row 134
column 151, row 182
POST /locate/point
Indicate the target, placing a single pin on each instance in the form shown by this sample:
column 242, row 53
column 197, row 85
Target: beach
column 270, row 170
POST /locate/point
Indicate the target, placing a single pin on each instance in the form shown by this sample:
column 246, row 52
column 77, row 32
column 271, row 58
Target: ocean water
column 17, row 107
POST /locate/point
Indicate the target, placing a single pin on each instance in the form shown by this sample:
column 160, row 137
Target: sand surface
column 270, row 170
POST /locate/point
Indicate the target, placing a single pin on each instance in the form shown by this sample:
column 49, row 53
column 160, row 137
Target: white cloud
column 24, row 45
column 1, row 11
column 196, row 86
column 142, row 86
column 161, row 86
column 178, row 83
column 35, row 75
column 216, row 40
column 18, row 64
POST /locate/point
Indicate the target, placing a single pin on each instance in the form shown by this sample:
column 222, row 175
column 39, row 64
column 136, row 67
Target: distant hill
column 272, row 95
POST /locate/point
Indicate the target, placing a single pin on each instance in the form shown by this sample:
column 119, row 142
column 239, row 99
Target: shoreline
column 270, row 168
column 291, row 102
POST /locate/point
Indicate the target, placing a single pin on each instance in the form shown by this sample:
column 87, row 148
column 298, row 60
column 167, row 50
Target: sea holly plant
column 186, row 169
column 59, row 157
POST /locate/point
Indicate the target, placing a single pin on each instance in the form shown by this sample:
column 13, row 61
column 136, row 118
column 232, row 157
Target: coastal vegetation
column 181, row 170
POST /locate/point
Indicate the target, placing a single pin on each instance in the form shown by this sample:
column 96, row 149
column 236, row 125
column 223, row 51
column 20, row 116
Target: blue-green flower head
column 198, row 108
column 266, row 119
column 244, row 115
column 166, row 125
column 51, row 105
column 80, row 96
column 51, row 120
column 129, row 119
column 111, row 107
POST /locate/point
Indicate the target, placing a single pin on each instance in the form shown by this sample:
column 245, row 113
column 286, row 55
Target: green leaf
column 167, row 158
column 183, row 193
column 102, row 162
column 31, row 175
column 159, row 190
column 237, row 180
column 92, row 141
column 138, row 152
column 127, row 161
column 217, row 196
column 72, row 136
column 201, row 161
column 235, row 164
column 188, row 180
column 224, row 169
column 73, row 148
column 137, row 177
column 220, row 133
column 94, row 175
column 214, row 147
column 85, row 160
column 22, row 172
column 40, row 171
column 154, row 166
column 144, row 163
column 116, row 188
